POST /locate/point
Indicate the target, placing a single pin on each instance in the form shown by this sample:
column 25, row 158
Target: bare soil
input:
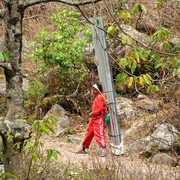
column 127, row 167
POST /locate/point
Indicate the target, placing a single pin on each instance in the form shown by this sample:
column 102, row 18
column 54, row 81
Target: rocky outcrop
column 162, row 139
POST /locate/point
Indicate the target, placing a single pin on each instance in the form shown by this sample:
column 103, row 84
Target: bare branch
column 27, row 3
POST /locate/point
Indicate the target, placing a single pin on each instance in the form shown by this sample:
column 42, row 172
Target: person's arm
column 100, row 106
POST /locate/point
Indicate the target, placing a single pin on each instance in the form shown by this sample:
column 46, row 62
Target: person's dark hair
column 99, row 87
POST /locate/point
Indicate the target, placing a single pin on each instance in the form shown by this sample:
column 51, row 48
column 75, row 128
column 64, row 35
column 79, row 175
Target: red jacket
column 98, row 107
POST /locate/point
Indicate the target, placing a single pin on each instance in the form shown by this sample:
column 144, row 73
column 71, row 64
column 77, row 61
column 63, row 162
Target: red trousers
column 96, row 130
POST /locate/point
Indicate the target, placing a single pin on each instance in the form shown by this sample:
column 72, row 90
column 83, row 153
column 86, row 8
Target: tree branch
column 27, row 3
column 140, row 38
column 143, row 39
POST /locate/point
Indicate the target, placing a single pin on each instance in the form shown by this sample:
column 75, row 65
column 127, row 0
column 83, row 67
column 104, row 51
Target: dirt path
column 126, row 167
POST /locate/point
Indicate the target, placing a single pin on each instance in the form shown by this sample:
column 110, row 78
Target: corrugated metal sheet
column 105, row 77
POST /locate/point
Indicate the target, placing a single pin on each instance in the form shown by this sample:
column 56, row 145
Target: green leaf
column 18, row 145
column 10, row 138
column 1, row 56
column 129, row 62
column 124, row 39
column 135, row 8
column 35, row 153
column 141, row 81
column 33, row 127
column 121, row 78
column 143, row 54
column 161, row 34
column 63, row 48
column 166, row 46
column 43, row 128
column 55, row 154
column 28, row 145
column 148, row 67
column 137, row 56
column 52, row 153
column 144, row 9
column 139, row 8
column 123, row 62
column 133, row 68
column 111, row 30
column 130, row 82
column 157, row 65
column 176, row 72
column 125, row 15
column 49, row 154
column 147, row 79
column 153, row 88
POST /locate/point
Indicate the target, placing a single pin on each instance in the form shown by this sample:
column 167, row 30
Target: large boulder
column 61, row 115
column 125, row 108
column 162, row 139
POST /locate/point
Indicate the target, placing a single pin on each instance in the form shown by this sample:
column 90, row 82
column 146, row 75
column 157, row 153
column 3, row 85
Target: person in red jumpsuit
column 96, row 127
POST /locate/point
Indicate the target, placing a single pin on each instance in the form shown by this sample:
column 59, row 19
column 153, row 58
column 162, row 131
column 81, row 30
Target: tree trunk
column 13, row 157
column 13, row 126
column 14, row 162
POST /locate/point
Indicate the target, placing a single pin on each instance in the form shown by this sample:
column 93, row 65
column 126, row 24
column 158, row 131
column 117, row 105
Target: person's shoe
column 102, row 153
column 81, row 151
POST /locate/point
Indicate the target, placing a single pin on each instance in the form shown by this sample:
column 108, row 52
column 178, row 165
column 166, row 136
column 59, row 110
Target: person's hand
column 90, row 114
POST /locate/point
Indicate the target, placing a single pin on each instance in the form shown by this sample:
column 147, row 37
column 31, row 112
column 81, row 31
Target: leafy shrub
column 63, row 48
column 34, row 94
column 146, row 68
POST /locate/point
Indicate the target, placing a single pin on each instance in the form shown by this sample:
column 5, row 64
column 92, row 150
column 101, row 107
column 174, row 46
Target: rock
column 137, row 146
column 147, row 104
column 125, row 108
column 141, row 96
column 162, row 158
column 25, row 83
column 72, row 138
column 163, row 137
column 60, row 114
column 175, row 41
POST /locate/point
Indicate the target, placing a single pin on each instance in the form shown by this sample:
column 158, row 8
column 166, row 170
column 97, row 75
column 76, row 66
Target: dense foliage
column 145, row 68
column 60, row 55
column 63, row 48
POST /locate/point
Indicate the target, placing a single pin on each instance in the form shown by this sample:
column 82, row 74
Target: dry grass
column 87, row 167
